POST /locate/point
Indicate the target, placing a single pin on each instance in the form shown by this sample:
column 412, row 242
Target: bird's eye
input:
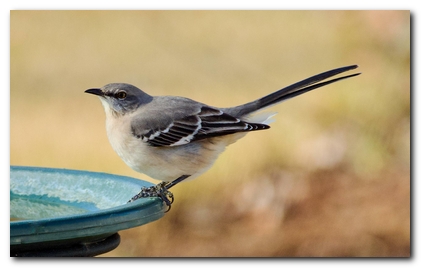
column 121, row 95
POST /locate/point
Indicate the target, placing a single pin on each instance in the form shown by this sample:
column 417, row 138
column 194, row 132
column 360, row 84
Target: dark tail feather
column 293, row 90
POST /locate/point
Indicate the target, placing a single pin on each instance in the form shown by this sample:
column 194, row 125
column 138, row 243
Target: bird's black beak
column 95, row 91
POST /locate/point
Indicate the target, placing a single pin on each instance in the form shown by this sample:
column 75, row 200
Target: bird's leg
column 176, row 181
column 160, row 190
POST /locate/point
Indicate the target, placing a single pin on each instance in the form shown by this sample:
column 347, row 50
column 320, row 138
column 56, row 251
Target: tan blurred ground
column 330, row 178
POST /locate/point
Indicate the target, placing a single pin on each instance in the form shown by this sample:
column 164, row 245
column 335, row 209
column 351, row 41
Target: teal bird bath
column 59, row 212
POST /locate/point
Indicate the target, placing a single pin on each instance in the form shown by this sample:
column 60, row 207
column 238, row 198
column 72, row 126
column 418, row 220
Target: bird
column 174, row 139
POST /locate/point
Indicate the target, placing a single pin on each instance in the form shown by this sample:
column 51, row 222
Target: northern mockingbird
column 173, row 139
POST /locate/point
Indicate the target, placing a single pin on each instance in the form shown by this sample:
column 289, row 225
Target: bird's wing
column 204, row 122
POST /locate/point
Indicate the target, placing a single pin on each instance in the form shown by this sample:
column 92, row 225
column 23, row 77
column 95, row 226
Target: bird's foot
column 160, row 190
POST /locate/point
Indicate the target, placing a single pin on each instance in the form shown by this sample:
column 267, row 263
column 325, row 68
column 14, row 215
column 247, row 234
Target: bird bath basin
column 59, row 212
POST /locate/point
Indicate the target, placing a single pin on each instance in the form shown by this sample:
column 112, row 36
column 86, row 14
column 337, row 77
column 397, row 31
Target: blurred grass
column 320, row 182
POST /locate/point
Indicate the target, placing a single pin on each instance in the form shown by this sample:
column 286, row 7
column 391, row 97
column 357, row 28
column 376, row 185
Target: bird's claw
column 158, row 190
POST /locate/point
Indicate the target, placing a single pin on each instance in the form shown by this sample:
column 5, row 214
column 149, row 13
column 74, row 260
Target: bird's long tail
column 291, row 91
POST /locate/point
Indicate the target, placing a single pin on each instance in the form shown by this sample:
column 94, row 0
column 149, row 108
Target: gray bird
column 173, row 139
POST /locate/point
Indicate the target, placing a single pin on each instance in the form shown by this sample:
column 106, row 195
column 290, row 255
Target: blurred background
column 330, row 178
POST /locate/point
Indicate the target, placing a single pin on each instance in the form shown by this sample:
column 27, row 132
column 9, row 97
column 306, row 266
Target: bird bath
column 59, row 212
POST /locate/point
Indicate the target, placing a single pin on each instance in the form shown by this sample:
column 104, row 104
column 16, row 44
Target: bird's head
column 119, row 99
